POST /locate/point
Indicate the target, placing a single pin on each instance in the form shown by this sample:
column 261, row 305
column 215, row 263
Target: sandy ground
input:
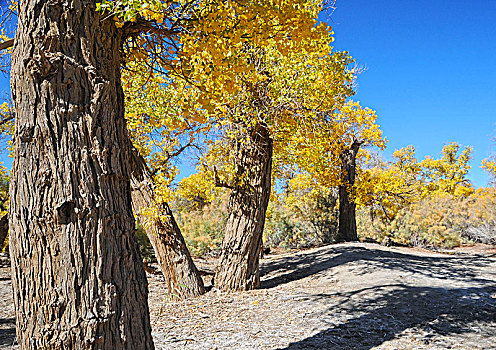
column 345, row 296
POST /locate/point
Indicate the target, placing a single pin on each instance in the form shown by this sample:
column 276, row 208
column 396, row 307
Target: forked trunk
column 239, row 263
column 77, row 276
column 173, row 256
column 347, row 230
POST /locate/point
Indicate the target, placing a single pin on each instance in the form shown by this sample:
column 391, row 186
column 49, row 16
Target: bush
column 302, row 222
column 482, row 216
column 203, row 228
column 291, row 222
column 440, row 221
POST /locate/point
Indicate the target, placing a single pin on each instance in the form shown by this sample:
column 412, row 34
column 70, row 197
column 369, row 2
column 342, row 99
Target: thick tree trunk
column 173, row 256
column 77, row 276
column 239, row 263
column 347, row 230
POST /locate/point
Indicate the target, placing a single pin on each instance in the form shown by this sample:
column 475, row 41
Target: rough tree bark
column 238, row 268
column 183, row 278
column 77, row 276
column 347, row 230
column 173, row 256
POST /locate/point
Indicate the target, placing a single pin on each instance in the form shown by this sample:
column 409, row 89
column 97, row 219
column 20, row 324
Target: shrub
column 203, row 228
column 301, row 222
column 443, row 220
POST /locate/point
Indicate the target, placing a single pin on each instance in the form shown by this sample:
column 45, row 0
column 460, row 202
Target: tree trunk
column 77, row 276
column 4, row 229
column 173, row 256
column 239, row 263
column 347, row 230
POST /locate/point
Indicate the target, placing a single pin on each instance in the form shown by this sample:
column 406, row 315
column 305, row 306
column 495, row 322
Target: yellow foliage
column 388, row 188
column 197, row 190
column 439, row 220
column 489, row 165
column 222, row 59
column 318, row 148
column 7, row 125
column 448, row 174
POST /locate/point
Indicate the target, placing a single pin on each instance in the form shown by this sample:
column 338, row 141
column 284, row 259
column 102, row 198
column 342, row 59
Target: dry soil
column 344, row 296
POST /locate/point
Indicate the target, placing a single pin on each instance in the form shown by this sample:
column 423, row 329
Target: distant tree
column 331, row 157
column 387, row 187
column 448, row 174
column 291, row 93
column 489, row 165
column 391, row 186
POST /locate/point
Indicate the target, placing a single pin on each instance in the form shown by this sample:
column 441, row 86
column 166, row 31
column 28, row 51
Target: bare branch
column 6, row 44
column 144, row 26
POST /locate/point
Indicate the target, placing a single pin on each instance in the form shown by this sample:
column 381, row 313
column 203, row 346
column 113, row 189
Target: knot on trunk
column 64, row 211
column 44, row 64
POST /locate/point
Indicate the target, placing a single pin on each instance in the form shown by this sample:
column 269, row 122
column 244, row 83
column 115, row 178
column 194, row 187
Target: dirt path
column 346, row 296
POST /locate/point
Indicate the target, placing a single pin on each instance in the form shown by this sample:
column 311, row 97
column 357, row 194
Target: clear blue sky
column 431, row 71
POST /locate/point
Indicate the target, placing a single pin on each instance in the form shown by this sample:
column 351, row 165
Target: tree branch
column 6, row 44
column 144, row 26
column 7, row 119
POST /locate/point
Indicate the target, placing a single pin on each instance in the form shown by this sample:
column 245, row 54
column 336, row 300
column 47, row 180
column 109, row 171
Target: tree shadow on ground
column 368, row 317
column 7, row 331
column 361, row 322
column 304, row 264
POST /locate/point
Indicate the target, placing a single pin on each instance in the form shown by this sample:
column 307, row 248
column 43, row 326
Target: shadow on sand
column 304, row 264
column 365, row 318
column 7, row 331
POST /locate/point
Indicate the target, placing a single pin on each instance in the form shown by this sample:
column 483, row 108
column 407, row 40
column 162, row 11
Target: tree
column 331, row 156
column 77, row 275
column 387, row 187
column 347, row 230
column 448, row 174
column 153, row 125
column 400, row 192
column 291, row 88
column 489, row 165
column 361, row 130
column 176, row 36
column 248, row 105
